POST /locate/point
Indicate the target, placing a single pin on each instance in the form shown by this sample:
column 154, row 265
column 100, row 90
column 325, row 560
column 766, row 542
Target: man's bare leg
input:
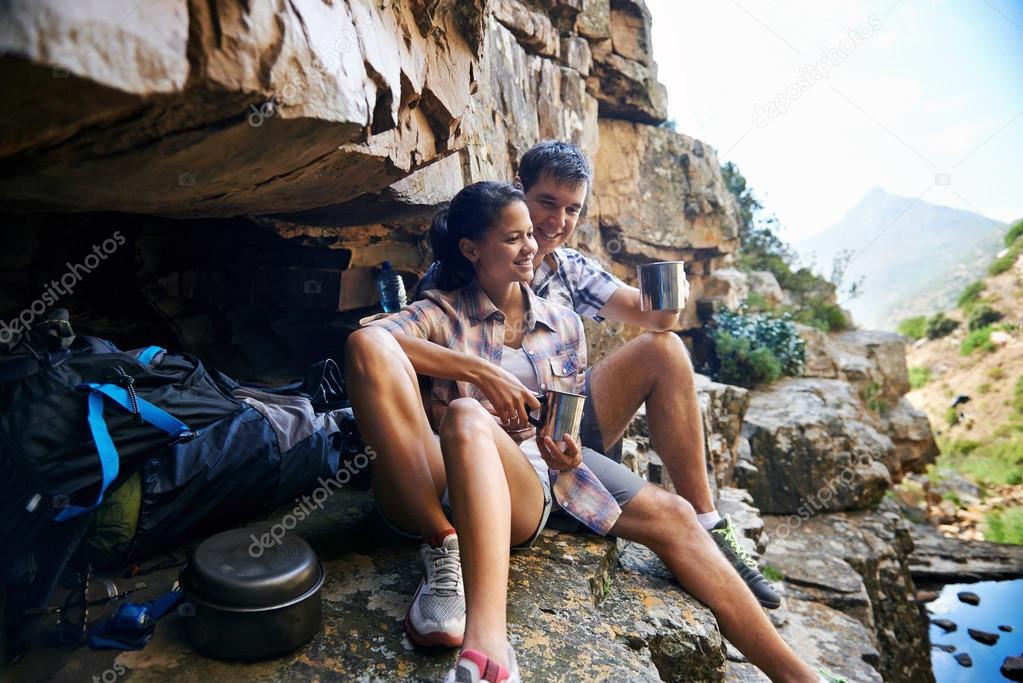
column 408, row 471
column 667, row 524
column 655, row 368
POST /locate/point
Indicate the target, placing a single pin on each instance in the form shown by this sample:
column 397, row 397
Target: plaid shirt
column 466, row 320
column 576, row 281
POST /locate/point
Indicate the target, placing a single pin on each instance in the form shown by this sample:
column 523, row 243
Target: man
column 654, row 368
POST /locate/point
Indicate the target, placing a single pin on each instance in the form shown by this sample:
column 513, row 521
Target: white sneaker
column 475, row 667
column 437, row 613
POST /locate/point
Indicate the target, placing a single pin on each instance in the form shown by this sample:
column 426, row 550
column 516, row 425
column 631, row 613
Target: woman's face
column 505, row 252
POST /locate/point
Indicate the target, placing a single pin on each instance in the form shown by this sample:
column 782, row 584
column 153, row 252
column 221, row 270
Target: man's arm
column 623, row 306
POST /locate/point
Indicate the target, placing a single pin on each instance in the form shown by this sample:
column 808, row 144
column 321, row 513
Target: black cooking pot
column 247, row 600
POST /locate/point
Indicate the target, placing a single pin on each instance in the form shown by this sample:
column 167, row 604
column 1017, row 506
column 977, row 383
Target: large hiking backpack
column 74, row 422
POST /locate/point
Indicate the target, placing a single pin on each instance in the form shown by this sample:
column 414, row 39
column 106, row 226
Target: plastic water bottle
column 392, row 289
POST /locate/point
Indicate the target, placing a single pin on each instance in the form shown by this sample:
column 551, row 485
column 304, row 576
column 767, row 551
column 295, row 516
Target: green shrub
column 1004, row 526
column 914, row 328
column 739, row 363
column 1017, row 395
column 871, row 395
column 978, row 339
column 996, row 373
column 919, row 377
column 997, row 460
column 1000, row 265
column 984, row 388
column 755, row 349
column 970, row 295
column 951, row 417
column 1014, row 233
column 983, row 315
column 938, row 326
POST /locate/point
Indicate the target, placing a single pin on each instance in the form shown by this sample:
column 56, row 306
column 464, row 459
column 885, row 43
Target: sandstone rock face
column 317, row 103
column 813, row 450
column 659, row 196
column 858, row 563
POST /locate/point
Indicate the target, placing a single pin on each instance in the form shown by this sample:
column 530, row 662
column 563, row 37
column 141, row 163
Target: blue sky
column 819, row 102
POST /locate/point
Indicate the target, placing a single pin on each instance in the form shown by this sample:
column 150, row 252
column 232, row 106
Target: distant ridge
column 916, row 257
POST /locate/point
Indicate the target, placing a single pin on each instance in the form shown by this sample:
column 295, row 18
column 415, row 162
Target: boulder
column 819, row 552
column 873, row 361
column 812, row 449
column 765, row 285
column 938, row 559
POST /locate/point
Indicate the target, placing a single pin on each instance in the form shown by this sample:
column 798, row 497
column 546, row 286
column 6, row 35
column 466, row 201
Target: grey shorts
column 618, row 479
column 548, row 504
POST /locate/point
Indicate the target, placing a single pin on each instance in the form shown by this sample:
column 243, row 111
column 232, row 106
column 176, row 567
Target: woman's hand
column 555, row 457
column 509, row 398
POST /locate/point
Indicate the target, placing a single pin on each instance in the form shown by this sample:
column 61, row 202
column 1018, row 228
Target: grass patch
column 978, row 339
column 1014, row 233
column 984, row 388
column 970, row 295
column 772, row 574
column 999, row 266
column 996, row 373
column 915, row 328
column 919, row 376
column 1004, row 526
column 996, row 461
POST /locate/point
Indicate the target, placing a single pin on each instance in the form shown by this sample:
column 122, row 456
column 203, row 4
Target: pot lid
column 249, row 568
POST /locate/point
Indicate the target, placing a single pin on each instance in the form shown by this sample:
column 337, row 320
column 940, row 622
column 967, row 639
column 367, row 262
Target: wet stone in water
column 983, row 636
column 946, row 647
column 946, row 625
column 964, row 659
column 1005, row 628
column 969, row 598
column 1012, row 668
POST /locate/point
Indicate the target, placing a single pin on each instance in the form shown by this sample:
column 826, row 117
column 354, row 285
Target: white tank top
column 517, row 363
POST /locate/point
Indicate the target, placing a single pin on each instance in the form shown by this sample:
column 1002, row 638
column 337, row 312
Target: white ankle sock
column 708, row 519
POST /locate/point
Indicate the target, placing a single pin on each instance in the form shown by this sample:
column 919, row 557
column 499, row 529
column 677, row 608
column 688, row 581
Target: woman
column 489, row 468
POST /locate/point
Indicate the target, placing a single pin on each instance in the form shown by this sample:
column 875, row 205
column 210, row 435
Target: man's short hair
column 562, row 161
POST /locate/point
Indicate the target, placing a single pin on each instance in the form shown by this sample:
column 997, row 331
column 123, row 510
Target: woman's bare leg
column 408, row 471
column 497, row 501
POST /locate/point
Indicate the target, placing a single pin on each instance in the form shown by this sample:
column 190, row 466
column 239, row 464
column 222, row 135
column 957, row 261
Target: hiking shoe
column 474, row 667
column 827, row 676
column 724, row 535
column 437, row 613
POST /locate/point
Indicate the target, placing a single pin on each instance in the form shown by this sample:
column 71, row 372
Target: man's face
column 554, row 208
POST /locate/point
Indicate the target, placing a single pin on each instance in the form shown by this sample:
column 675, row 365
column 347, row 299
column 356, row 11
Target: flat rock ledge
column 938, row 559
column 580, row 608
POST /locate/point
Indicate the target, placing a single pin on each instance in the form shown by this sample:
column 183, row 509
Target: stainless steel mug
column 561, row 413
column 662, row 285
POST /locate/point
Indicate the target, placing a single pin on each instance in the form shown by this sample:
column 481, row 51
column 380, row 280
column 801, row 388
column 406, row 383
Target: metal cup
column 662, row 285
column 561, row 413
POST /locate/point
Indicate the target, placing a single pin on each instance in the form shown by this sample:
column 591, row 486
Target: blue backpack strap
column 150, row 413
column 109, row 461
column 146, row 355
